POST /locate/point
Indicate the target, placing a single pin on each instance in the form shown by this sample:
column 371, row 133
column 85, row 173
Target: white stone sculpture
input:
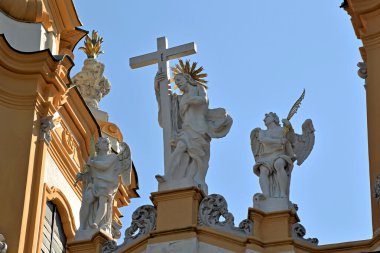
column 362, row 72
column 299, row 232
column 193, row 125
column 116, row 234
column 3, row 245
column 100, row 183
column 376, row 189
column 162, row 57
column 109, row 246
column 91, row 83
column 143, row 222
column 47, row 125
column 275, row 149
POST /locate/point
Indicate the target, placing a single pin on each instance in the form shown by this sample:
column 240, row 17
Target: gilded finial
column 92, row 45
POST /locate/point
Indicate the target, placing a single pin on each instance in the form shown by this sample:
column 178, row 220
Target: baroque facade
column 54, row 126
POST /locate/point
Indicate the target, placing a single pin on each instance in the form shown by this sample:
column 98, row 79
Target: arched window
column 54, row 239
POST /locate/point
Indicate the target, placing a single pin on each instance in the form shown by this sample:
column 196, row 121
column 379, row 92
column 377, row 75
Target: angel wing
column 304, row 143
column 125, row 164
column 255, row 144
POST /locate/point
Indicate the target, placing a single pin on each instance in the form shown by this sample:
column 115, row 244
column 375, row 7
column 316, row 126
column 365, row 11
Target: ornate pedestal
column 178, row 208
column 93, row 245
column 273, row 227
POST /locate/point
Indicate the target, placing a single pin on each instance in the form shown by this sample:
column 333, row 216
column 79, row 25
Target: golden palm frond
column 192, row 70
column 293, row 111
column 92, row 45
column 296, row 105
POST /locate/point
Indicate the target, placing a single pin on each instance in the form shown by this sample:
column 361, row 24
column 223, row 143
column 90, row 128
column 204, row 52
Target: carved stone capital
column 213, row 208
column 143, row 222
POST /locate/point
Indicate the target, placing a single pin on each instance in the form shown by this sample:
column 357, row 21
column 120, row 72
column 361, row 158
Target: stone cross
column 162, row 57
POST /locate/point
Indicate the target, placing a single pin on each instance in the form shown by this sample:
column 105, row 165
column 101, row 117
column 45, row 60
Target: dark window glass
column 53, row 238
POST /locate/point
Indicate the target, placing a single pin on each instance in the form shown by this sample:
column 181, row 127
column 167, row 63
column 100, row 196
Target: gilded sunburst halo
column 192, row 70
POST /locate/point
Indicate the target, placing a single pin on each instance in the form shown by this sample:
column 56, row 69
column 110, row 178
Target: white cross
column 162, row 57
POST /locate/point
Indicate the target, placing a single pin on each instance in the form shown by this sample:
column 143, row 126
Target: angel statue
column 276, row 149
column 100, row 183
column 193, row 126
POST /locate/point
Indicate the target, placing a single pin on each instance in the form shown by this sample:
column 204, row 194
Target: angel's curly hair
column 274, row 116
column 100, row 140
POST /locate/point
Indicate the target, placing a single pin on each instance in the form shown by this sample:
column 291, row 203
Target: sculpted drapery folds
column 275, row 149
column 100, row 183
column 193, row 126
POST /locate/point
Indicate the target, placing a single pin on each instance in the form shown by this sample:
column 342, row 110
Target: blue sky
column 259, row 55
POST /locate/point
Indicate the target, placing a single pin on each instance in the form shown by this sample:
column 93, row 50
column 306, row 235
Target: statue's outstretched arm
column 288, row 130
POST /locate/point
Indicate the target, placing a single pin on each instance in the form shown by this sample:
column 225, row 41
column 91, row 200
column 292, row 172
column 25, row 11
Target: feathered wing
column 125, row 164
column 255, row 144
column 304, row 143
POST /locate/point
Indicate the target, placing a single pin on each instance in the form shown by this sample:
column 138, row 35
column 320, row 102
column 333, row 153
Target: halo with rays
column 195, row 73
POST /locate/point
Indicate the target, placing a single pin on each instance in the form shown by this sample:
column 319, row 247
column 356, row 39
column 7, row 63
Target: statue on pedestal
column 100, row 183
column 193, row 125
column 275, row 149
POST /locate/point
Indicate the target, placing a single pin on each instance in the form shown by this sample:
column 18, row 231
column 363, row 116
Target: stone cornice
column 61, row 13
column 361, row 12
column 240, row 244
column 25, row 65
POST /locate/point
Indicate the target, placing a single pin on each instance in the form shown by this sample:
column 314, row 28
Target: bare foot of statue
column 94, row 225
